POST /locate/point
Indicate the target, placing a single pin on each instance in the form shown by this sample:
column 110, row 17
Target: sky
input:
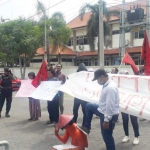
column 12, row 9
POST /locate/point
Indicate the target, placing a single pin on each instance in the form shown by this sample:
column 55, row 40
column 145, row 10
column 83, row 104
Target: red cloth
column 41, row 76
column 127, row 59
column 78, row 138
column 146, row 54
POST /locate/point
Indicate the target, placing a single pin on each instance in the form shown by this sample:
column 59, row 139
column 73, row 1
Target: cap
column 64, row 120
column 99, row 73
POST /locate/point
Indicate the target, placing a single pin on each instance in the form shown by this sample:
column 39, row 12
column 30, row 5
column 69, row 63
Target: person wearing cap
column 6, row 90
column 78, row 102
column 78, row 138
column 61, row 77
column 107, row 109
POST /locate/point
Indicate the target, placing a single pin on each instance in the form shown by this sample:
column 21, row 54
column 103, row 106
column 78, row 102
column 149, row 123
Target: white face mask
column 100, row 82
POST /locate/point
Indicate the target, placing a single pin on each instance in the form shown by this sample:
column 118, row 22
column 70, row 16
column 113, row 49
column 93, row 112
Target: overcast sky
column 12, row 9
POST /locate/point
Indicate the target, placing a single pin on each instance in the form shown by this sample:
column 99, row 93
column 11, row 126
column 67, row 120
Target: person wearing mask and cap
column 78, row 138
column 107, row 109
column 78, row 102
column 6, row 91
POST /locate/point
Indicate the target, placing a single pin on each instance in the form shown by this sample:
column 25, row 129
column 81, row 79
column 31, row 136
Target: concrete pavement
column 25, row 135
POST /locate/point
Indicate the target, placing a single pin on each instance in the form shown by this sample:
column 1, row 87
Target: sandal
column 30, row 119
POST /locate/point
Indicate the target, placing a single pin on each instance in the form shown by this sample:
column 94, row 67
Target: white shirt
column 109, row 100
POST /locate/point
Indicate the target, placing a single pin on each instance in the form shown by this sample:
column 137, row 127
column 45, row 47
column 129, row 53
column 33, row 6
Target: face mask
column 100, row 82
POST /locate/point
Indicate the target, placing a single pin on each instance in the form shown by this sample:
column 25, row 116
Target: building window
column 70, row 43
column 36, row 60
column 53, row 60
column 139, row 34
column 82, row 40
column 115, row 32
column 66, row 59
column 106, row 61
column 87, row 61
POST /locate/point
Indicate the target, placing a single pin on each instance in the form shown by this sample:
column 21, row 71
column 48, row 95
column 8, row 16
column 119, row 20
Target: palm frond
column 58, row 15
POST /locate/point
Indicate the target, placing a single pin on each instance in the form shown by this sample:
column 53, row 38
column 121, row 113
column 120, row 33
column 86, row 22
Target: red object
column 146, row 54
column 16, row 82
column 41, row 76
column 127, row 59
column 64, row 120
column 78, row 138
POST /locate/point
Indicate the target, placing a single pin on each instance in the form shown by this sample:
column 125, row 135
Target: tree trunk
column 20, row 64
column 24, row 66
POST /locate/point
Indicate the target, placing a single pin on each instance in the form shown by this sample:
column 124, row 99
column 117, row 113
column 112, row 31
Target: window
column 66, row 59
column 106, row 61
column 53, row 60
column 115, row 32
column 82, row 40
column 36, row 60
column 139, row 34
column 70, row 42
column 87, row 62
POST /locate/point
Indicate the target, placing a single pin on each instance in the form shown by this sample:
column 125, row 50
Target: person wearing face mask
column 107, row 109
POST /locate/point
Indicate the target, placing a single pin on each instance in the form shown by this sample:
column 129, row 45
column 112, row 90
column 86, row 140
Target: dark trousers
column 134, row 121
column 107, row 134
column 53, row 110
column 77, row 103
column 6, row 94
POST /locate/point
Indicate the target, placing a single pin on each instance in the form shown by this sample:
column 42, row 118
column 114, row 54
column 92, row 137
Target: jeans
column 6, row 94
column 77, row 103
column 134, row 121
column 107, row 134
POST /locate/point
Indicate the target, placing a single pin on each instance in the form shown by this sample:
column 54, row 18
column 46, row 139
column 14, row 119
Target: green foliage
column 93, row 23
column 19, row 39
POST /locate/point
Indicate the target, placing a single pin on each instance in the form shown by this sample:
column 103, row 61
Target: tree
column 59, row 33
column 93, row 23
column 20, row 39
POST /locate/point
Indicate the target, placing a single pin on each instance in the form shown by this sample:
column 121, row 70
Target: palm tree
column 93, row 23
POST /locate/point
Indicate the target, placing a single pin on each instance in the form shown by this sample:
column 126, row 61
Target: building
column 78, row 50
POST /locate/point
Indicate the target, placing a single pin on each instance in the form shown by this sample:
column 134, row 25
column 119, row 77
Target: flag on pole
column 127, row 59
column 41, row 75
column 145, row 54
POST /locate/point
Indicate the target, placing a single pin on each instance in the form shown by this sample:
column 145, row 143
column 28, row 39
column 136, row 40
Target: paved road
column 25, row 135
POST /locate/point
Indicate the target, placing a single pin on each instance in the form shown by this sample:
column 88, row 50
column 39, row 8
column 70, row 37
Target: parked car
column 16, row 82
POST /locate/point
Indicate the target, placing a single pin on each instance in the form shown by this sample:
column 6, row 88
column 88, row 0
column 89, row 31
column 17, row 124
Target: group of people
column 107, row 109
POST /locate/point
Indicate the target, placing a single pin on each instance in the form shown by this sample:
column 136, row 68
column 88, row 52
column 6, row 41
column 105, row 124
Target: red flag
column 127, row 59
column 41, row 76
column 145, row 46
column 146, row 54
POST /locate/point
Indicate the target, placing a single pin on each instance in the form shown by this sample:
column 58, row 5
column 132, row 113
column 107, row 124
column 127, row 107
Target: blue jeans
column 106, row 133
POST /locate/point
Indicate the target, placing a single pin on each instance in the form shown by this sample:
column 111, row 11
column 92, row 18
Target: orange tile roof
column 65, row 51
column 78, row 23
column 110, row 52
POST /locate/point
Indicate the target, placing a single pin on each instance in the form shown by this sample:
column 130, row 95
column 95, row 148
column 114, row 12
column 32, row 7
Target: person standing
column 78, row 102
column 6, row 91
column 134, row 122
column 61, row 77
column 34, row 104
column 53, row 106
column 107, row 110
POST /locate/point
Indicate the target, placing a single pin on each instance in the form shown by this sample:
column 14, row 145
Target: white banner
column 134, row 91
column 26, row 89
column 46, row 90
